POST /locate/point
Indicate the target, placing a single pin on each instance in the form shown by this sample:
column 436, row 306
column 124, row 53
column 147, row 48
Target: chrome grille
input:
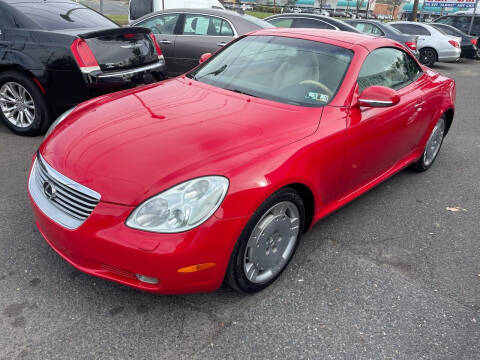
column 60, row 198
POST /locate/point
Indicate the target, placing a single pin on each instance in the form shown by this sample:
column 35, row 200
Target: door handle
column 223, row 43
column 419, row 105
column 165, row 42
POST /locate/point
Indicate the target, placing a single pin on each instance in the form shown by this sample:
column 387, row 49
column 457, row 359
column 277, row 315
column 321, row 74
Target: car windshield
column 287, row 70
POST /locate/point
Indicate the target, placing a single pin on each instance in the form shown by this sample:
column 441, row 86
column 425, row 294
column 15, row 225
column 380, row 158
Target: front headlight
column 181, row 207
column 59, row 120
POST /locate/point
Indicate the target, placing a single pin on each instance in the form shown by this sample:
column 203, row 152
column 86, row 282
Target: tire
column 20, row 92
column 428, row 56
column 273, row 231
column 432, row 148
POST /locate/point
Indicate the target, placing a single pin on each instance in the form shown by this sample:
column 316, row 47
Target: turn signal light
column 84, row 56
column 411, row 45
column 147, row 279
column 195, row 268
column 454, row 43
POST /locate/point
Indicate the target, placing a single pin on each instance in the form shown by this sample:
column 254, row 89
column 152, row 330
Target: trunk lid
column 121, row 48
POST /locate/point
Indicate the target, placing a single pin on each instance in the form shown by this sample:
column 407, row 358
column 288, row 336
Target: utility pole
column 413, row 16
column 101, row 6
column 473, row 17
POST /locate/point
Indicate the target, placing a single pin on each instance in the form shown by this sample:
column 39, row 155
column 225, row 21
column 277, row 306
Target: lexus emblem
column 49, row 190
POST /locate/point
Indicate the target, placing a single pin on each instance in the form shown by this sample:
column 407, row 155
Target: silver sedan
column 433, row 45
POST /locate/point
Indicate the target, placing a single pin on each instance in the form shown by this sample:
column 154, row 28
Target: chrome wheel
column 434, row 142
column 17, row 105
column 272, row 242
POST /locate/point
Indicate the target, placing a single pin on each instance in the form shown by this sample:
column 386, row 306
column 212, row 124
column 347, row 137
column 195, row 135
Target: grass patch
column 119, row 19
column 259, row 14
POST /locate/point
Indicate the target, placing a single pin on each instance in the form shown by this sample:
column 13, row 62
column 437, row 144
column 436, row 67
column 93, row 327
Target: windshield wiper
column 241, row 92
column 216, row 72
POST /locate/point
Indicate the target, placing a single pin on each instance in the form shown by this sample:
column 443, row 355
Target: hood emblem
column 49, row 190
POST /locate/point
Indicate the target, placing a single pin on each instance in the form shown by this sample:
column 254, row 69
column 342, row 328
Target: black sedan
column 185, row 34
column 309, row 21
column 56, row 54
column 378, row 28
column 469, row 43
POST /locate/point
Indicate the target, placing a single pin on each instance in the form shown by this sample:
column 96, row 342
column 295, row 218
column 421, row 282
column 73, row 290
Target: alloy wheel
column 434, row 142
column 17, row 104
column 427, row 57
column 272, row 242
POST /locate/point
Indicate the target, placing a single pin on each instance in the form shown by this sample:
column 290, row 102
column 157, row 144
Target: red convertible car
column 214, row 176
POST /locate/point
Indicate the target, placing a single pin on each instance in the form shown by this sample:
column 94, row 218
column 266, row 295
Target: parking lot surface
column 393, row 275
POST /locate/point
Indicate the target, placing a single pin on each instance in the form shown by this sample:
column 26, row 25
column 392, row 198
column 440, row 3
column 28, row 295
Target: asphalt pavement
column 393, row 275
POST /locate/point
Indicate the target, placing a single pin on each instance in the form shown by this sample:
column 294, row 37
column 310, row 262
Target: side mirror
column 204, row 57
column 378, row 96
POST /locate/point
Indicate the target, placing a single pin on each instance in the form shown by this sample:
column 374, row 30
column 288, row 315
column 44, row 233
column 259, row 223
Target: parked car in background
column 462, row 23
column 309, row 21
column 54, row 55
column 469, row 43
column 433, row 45
column 185, row 34
column 378, row 28
column 235, row 161
column 139, row 8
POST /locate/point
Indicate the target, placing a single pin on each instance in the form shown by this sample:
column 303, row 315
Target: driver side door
column 378, row 138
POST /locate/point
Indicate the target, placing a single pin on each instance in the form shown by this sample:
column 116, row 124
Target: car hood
column 133, row 144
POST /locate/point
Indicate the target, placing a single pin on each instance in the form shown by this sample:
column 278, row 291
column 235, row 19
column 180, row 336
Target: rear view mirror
column 204, row 57
column 378, row 96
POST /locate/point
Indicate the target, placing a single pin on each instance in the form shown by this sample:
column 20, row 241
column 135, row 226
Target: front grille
column 60, row 198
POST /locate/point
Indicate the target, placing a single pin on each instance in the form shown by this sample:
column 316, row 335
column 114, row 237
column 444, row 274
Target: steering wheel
column 318, row 84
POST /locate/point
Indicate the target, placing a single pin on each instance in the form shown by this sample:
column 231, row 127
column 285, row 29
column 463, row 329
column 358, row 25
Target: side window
column 282, row 22
column 369, row 29
column 138, row 8
column 200, row 25
column 220, row 28
column 403, row 28
column 162, row 24
column 311, row 23
column 377, row 31
column 418, row 30
column 446, row 20
column 462, row 22
column 388, row 67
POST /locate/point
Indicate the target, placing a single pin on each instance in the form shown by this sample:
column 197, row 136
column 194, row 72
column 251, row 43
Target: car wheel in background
column 428, row 56
column 22, row 105
column 433, row 146
column 267, row 243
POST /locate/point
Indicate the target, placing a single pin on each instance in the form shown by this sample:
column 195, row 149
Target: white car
column 432, row 44
column 139, row 8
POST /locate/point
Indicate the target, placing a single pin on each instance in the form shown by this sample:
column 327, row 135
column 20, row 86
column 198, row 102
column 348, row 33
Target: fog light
column 147, row 279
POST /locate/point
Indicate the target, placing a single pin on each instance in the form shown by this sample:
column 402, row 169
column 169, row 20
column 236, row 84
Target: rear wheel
column 428, row 56
column 267, row 243
column 433, row 146
column 22, row 106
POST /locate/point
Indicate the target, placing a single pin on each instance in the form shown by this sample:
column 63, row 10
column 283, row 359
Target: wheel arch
column 308, row 200
column 449, row 118
column 24, row 71
column 431, row 48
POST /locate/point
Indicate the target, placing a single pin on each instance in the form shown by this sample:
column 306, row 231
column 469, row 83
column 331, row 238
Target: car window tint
column 282, row 22
column 63, row 16
column 369, row 29
column 311, row 23
column 162, row 24
column 445, row 20
column 139, row 8
column 447, row 30
column 388, row 67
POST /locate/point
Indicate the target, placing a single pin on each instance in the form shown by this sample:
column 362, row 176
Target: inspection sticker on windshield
column 317, row 96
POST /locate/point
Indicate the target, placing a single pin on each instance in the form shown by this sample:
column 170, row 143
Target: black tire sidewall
column 236, row 277
column 430, row 63
column 42, row 117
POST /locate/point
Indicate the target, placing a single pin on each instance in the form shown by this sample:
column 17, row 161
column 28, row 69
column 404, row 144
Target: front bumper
column 104, row 246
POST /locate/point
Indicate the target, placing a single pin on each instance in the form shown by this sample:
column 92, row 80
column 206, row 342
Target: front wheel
column 267, row 243
column 433, row 146
column 428, row 57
